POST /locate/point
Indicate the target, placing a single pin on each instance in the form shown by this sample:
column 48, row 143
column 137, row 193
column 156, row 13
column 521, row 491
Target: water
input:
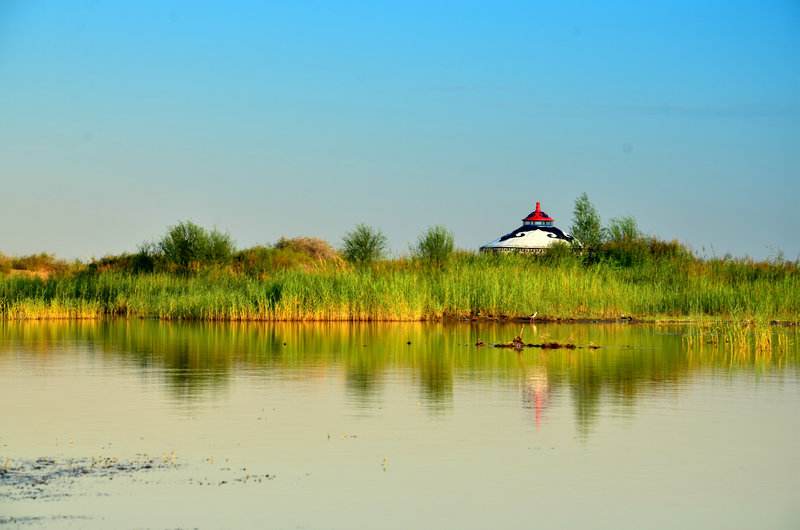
column 157, row 425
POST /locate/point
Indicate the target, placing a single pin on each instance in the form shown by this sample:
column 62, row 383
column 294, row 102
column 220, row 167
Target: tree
column 363, row 245
column 187, row 243
column 623, row 229
column 586, row 226
column 624, row 242
column 220, row 247
column 435, row 245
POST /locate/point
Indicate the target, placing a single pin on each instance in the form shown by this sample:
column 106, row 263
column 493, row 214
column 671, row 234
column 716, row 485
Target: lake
column 146, row 424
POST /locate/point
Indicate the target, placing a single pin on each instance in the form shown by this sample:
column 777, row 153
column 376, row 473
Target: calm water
column 350, row 426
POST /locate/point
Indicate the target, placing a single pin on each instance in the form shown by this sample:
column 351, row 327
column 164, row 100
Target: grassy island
column 305, row 279
column 194, row 273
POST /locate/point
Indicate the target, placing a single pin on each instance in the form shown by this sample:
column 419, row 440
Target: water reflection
column 196, row 358
column 536, row 394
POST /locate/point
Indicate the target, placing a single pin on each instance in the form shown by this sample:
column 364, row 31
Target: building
column 536, row 235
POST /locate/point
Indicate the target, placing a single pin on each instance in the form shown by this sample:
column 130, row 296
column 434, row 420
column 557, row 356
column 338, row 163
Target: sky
column 270, row 119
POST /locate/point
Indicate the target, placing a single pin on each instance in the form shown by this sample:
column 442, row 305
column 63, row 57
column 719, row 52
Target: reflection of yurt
column 536, row 234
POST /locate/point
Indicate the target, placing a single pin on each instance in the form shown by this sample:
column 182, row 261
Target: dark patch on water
column 48, row 478
column 18, row 521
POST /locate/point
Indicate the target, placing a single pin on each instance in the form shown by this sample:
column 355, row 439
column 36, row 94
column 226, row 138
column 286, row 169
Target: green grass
column 470, row 285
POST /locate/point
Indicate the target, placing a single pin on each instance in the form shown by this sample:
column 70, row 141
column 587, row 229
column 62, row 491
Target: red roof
column 538, row 215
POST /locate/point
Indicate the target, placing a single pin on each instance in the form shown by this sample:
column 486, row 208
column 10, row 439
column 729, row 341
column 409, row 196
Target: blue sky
column 304, row 118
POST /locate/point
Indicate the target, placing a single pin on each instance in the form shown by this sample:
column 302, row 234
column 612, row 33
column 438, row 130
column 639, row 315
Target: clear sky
column 303, row 118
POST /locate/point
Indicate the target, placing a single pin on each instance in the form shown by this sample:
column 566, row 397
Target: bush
column 299, row 252
column 254, row 261
column 187, row 245
column 145, row 259
column 622, row 229
column 310, row 246
column 220, row 247
column 629, row 252
column 435, row 245
column 363, row 245
column 561, row 254
column 673, row 250
column 41, row 263
column 626, row 253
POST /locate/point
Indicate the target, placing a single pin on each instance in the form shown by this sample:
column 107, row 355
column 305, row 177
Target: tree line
column 187, row 247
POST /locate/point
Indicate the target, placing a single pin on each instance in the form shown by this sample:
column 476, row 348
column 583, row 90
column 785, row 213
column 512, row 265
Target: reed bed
column 741, row 343
column 468, row 287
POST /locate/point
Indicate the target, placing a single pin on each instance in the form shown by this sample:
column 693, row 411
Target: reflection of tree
column 436, row 378
column 195, row 358
column 586, row 384
column 363, row 375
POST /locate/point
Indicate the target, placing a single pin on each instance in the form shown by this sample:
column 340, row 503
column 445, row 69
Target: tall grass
column 469, row 286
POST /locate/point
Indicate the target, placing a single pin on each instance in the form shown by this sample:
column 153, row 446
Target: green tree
column 586, row 226
column 187, row 244
column 435, row 245
column 623, row 229
column 625, row 244
column 363, row 245
column 220, row 247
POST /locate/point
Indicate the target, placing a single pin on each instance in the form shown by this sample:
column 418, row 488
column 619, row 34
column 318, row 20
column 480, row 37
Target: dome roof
column 536, row 234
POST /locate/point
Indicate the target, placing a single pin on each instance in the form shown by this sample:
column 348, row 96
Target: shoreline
column 472, row 288
column 436, row 320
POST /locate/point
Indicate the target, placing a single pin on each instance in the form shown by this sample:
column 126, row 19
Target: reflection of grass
column 741, row 344
column 634, row 360
column 404, row 290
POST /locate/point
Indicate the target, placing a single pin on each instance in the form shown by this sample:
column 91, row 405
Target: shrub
column 560, row 254
column 435, row 245
column 254, row 261
column 145, row 259
column 41, row 263
column 298, row 252
column 673, row 250
column 187, row 245
column 622, row 229
column 363, row 245
column 220, row 247
column 310, row 246
column 625, row 252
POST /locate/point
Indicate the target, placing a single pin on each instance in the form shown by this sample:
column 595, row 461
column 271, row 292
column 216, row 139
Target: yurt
column 536, row 235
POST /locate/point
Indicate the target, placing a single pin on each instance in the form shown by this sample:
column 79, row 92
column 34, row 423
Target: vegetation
column 470, row 285
column 33, row 265
column 435, row 246
column 188, row 246
column 194, row 273
column 621, row 229
column 586, row 226
column 295, row 253
column 364, row 245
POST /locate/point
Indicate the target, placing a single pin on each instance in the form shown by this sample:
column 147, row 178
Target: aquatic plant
column 469, row 286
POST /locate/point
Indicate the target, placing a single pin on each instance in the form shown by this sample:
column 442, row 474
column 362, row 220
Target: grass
column 469, row 286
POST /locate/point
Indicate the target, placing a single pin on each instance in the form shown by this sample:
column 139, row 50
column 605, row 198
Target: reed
column 469, row 286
